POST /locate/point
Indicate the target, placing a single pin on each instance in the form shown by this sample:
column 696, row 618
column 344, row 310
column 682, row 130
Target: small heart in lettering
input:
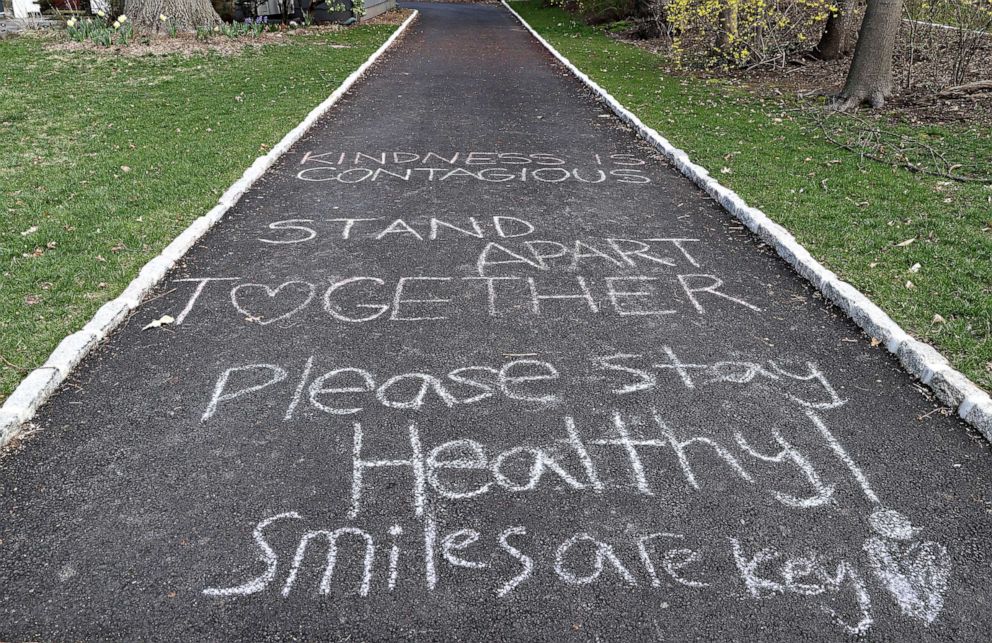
column 916, row 574
column 296, row 291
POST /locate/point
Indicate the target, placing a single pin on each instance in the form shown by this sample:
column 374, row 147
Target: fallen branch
column 967, row 89
column 10, row 364
column 893, row 148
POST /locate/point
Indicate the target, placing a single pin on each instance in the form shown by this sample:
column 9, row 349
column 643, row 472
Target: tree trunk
column 651, row 18
column 727, row 33
column 869, row 80
column 186, row 15
column 834, row 43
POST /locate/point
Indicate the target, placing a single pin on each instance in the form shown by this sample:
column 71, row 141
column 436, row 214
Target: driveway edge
column 922, row 360
column 35, row 389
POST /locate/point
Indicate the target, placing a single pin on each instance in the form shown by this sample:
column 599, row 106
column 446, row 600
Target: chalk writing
column 731, row 567
column 576, row 462
column 301, row 291
column 658, row 425
column 914, row 573
column 292, row 231
column 488, row 167
column 430, row 298
column 530, row 382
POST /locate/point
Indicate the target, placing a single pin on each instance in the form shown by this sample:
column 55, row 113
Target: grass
column 854, row 215
column 976, row 16
column 105, row 159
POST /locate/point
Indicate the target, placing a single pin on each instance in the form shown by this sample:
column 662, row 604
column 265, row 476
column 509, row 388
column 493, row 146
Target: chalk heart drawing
column 914, row 573
column 261, row 303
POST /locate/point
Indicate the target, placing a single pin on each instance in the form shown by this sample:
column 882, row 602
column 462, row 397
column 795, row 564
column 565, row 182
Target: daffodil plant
column 100, row 31
column 168, row 24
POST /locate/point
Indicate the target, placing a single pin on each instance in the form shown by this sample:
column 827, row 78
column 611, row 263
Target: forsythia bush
column 744, row 32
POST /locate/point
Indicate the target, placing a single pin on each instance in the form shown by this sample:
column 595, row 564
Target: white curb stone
column 70, row 351
column 10, row 422
column 921, row 360
column 106, row 319
column 952, row 388
column 38, row 386
column 236, row 191
column 977, row 411
column 135, row 292
column 216, row 213
column 185, row 241
column 154, row 270
column 33, row 391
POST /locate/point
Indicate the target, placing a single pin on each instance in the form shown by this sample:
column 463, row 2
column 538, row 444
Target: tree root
column 849, row 103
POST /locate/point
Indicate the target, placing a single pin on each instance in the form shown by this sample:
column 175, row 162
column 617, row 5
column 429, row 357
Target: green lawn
column 105, row 159
column 852, row 214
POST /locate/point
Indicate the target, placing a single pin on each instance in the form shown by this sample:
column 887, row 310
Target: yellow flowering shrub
column 762, row 31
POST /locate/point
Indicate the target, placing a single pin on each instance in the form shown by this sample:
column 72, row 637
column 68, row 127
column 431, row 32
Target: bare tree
column 834, row 40
column 186, row 15
column 869, row 80
column 651, row 18
column 727, row 32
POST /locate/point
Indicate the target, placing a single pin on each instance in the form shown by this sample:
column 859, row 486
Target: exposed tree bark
column 727, row 33
column 186, row 15
column 642, row 8
column 869, row 79
column 651, row 18
column 834, row 42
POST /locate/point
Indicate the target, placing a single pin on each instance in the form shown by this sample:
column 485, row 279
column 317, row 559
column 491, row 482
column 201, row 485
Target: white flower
column 122, row 19
column 117, row 25
column 162, row 17
column 101, row 13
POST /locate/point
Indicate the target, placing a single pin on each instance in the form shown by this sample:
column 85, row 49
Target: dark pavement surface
column 378, row 429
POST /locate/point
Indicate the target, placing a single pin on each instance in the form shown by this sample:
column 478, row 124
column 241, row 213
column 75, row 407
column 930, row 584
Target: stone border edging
column 923, row 361
column 35, row 389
